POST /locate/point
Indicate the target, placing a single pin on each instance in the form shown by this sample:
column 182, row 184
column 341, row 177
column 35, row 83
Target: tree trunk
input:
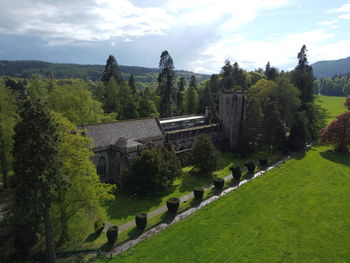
column 50, row 248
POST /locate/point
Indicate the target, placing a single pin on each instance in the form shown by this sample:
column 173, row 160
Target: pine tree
column 132, row 84
column 111, row 70
column 8, row 120
column 180, row 95
column 191, row 97
column 166, row 79
column 37, row 179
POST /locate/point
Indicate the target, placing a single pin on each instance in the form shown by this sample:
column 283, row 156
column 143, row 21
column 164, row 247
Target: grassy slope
column 296, row 217
column 296, row 213
column 334, row 105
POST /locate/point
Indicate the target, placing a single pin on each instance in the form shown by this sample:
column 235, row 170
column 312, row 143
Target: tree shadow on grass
column 215, row 191
column 191, row 180
column 195, row 202
column 135, row 233
column 92, row 237
column 337, row 157
column 107, row 247
column 126, row 205
column 168, row 217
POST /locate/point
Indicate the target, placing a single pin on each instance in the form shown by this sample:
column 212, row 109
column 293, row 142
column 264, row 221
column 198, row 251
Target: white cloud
column 343, row 9
column 345, row 16
column 281, row 51
column 328, row 22
column 95, row 20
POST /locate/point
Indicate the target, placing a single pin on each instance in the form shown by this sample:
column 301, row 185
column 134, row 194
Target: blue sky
column 199, row 35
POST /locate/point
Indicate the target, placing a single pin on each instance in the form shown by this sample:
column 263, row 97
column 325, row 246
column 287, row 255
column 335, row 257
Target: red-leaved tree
column 347, row 103
column 337, row 133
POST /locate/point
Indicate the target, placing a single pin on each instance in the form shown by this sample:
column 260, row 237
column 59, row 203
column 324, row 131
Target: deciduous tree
column 337, row 133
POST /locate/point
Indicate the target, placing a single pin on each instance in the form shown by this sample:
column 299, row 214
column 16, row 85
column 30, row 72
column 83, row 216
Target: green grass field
column 299, row 212
column 334, row 105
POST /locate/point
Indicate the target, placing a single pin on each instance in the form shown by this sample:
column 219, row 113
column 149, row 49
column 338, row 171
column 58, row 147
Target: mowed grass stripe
column 299, row 212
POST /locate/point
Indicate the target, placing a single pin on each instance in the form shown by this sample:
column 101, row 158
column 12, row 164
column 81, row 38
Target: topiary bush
column 198, row 193
column 236, row 173
column 263, row 162
column 219, row 183
column 112, row 234
column 250, row 167
column 173, row 204
column 141, row 220
column 99, row 225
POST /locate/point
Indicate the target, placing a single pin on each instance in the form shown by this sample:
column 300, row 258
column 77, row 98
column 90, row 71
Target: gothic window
column 101, row 166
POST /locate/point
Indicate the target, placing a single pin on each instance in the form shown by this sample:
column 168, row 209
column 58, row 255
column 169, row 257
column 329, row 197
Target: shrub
column 173, row 204
column 219, row 183
column 263, row 162
column 152, row 172
column 99, row 225
column 198, row 193
column 141, row 220
column 236, row 172
column 250, row 167
column 112, row 234
column 204, row 155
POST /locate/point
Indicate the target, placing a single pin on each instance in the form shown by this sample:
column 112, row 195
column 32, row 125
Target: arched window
column 101, row 166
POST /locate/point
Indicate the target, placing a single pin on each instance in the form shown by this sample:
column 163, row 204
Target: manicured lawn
column 125, row 207
column 334, row 105
column 299, row 212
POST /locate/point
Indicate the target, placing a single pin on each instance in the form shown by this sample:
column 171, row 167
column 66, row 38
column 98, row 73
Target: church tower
column 231, row 110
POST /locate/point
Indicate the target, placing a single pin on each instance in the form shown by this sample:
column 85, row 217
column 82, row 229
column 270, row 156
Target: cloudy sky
column 199, row 34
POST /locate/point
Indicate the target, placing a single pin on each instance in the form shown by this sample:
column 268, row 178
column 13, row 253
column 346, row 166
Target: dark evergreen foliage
column 112, row 234
column 154, row 171
column 173, row 204
column 219, row 183
column 141, row 220
column 250, row 167
column 111, row 70
column 36, row 181
column 198, row 193
column 166, row 80
column 204, row 155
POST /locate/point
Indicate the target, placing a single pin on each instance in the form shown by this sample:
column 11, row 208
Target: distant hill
column 26, row 68
column 329, row 68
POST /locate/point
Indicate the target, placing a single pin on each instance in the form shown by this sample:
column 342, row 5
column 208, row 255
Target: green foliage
column 180, row 95
column 204, row 155
column 154, row 171
column 111, row 70
column 82, row 201
column 147, row 107
column 191, row 99
column 37, row 179
column 74, row 101
column 8, row 120
column 166, row 80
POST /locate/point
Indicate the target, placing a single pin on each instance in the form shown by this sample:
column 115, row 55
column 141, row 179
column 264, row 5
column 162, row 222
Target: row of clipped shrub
column 174, row 202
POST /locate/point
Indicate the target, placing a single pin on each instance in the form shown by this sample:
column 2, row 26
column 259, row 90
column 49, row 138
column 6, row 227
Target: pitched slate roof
column 105, row 134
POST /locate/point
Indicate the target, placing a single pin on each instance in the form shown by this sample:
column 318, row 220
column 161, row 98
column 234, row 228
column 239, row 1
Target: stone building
column 116, row 144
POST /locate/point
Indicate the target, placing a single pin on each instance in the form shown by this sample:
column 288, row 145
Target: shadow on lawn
column 92, row 237
column 125, row 205
column 190, row 181
column 341, row 158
